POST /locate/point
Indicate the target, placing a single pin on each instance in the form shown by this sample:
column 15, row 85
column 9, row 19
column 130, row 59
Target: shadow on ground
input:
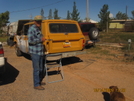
column 65, row 61
column 10, row 75
column 70, row 60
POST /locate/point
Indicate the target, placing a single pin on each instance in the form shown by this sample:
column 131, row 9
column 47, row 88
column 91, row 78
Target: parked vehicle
column 63, row 36
column 2, row 60
column 90, row 31
column 13, row 29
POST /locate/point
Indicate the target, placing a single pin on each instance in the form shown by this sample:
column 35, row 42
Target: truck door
column 64, row 37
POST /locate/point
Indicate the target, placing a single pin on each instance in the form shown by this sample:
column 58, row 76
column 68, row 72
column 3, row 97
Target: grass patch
column 3, row 38
column 109, row 53
column 116, row 37
column 119, row 37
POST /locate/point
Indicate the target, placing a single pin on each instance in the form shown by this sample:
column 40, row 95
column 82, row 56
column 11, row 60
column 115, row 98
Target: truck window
column 26, row 27
column 62, row 28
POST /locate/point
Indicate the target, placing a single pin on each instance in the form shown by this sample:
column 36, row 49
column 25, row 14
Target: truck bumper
column 71, row 54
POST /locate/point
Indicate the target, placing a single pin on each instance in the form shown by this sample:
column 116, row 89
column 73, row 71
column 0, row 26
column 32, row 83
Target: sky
column 27, row 9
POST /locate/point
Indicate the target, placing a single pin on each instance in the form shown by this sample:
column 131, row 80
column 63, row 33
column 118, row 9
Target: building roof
column 121, row 20
column 92, row 21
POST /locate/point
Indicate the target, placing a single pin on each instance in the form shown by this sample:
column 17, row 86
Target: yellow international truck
column 63, row 36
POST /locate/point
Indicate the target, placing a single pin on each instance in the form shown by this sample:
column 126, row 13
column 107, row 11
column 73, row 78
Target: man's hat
column 38, row 18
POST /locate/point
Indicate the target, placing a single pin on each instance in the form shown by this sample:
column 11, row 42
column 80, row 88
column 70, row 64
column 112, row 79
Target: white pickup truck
column 2, row 60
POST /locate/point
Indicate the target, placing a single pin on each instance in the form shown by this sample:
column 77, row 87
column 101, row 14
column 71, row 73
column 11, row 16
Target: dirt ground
column 87, row 78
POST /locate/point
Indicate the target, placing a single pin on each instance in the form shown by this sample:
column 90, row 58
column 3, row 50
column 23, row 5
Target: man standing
column 36, row 50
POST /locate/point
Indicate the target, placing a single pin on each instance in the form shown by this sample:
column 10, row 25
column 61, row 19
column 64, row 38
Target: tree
column 132, row 25
column 132, row 14
column 68, row 15
column 42, row 13
column 56, row 14
column 75, row 14
column 121, row 16
column 87, row 19
column 4, row 17
column 50, row 14
column 104, row 16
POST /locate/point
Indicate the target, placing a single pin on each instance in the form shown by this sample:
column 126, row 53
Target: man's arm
column 34, row 37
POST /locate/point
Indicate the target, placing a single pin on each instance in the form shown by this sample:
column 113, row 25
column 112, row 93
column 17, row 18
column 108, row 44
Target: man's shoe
column 39, row 88
column 42, row 83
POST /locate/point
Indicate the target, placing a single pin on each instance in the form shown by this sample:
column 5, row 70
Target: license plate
column 66, row 44
column 68, row 54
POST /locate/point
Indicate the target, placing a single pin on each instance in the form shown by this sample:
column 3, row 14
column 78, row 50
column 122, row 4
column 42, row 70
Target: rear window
column 26, row 28
column 63, row 28
column 86, row 27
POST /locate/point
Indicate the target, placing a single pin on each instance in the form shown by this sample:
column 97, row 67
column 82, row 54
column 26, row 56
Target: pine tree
column 104, row 16
column 50, row 14
column 75, row 13
column 68, row 15
column 121, row 16
column 42, row 13
column 132, row 14
column 132, row 25
column 56, row 14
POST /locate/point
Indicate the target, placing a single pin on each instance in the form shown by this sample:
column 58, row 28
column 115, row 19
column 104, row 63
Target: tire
column 10, row 41
column 93, row 33
column 18, row 51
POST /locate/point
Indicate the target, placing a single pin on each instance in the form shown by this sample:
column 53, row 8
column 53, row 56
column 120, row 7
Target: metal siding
column 116, row 25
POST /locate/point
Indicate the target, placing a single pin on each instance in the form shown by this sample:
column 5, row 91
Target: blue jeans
column 38, row 69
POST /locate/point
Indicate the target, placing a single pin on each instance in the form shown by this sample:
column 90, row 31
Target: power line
column 37, row 7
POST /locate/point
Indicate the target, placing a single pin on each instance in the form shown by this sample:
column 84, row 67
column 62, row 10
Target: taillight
column 1, row 51
column 83, row 44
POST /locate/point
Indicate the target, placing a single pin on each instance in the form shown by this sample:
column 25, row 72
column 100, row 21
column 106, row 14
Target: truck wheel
column 18, row 51
column 93, row 33
column 10, row 41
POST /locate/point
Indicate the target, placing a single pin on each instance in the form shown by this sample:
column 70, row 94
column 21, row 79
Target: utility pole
column 107, row 22
column 126, row 11
column 87, row 10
